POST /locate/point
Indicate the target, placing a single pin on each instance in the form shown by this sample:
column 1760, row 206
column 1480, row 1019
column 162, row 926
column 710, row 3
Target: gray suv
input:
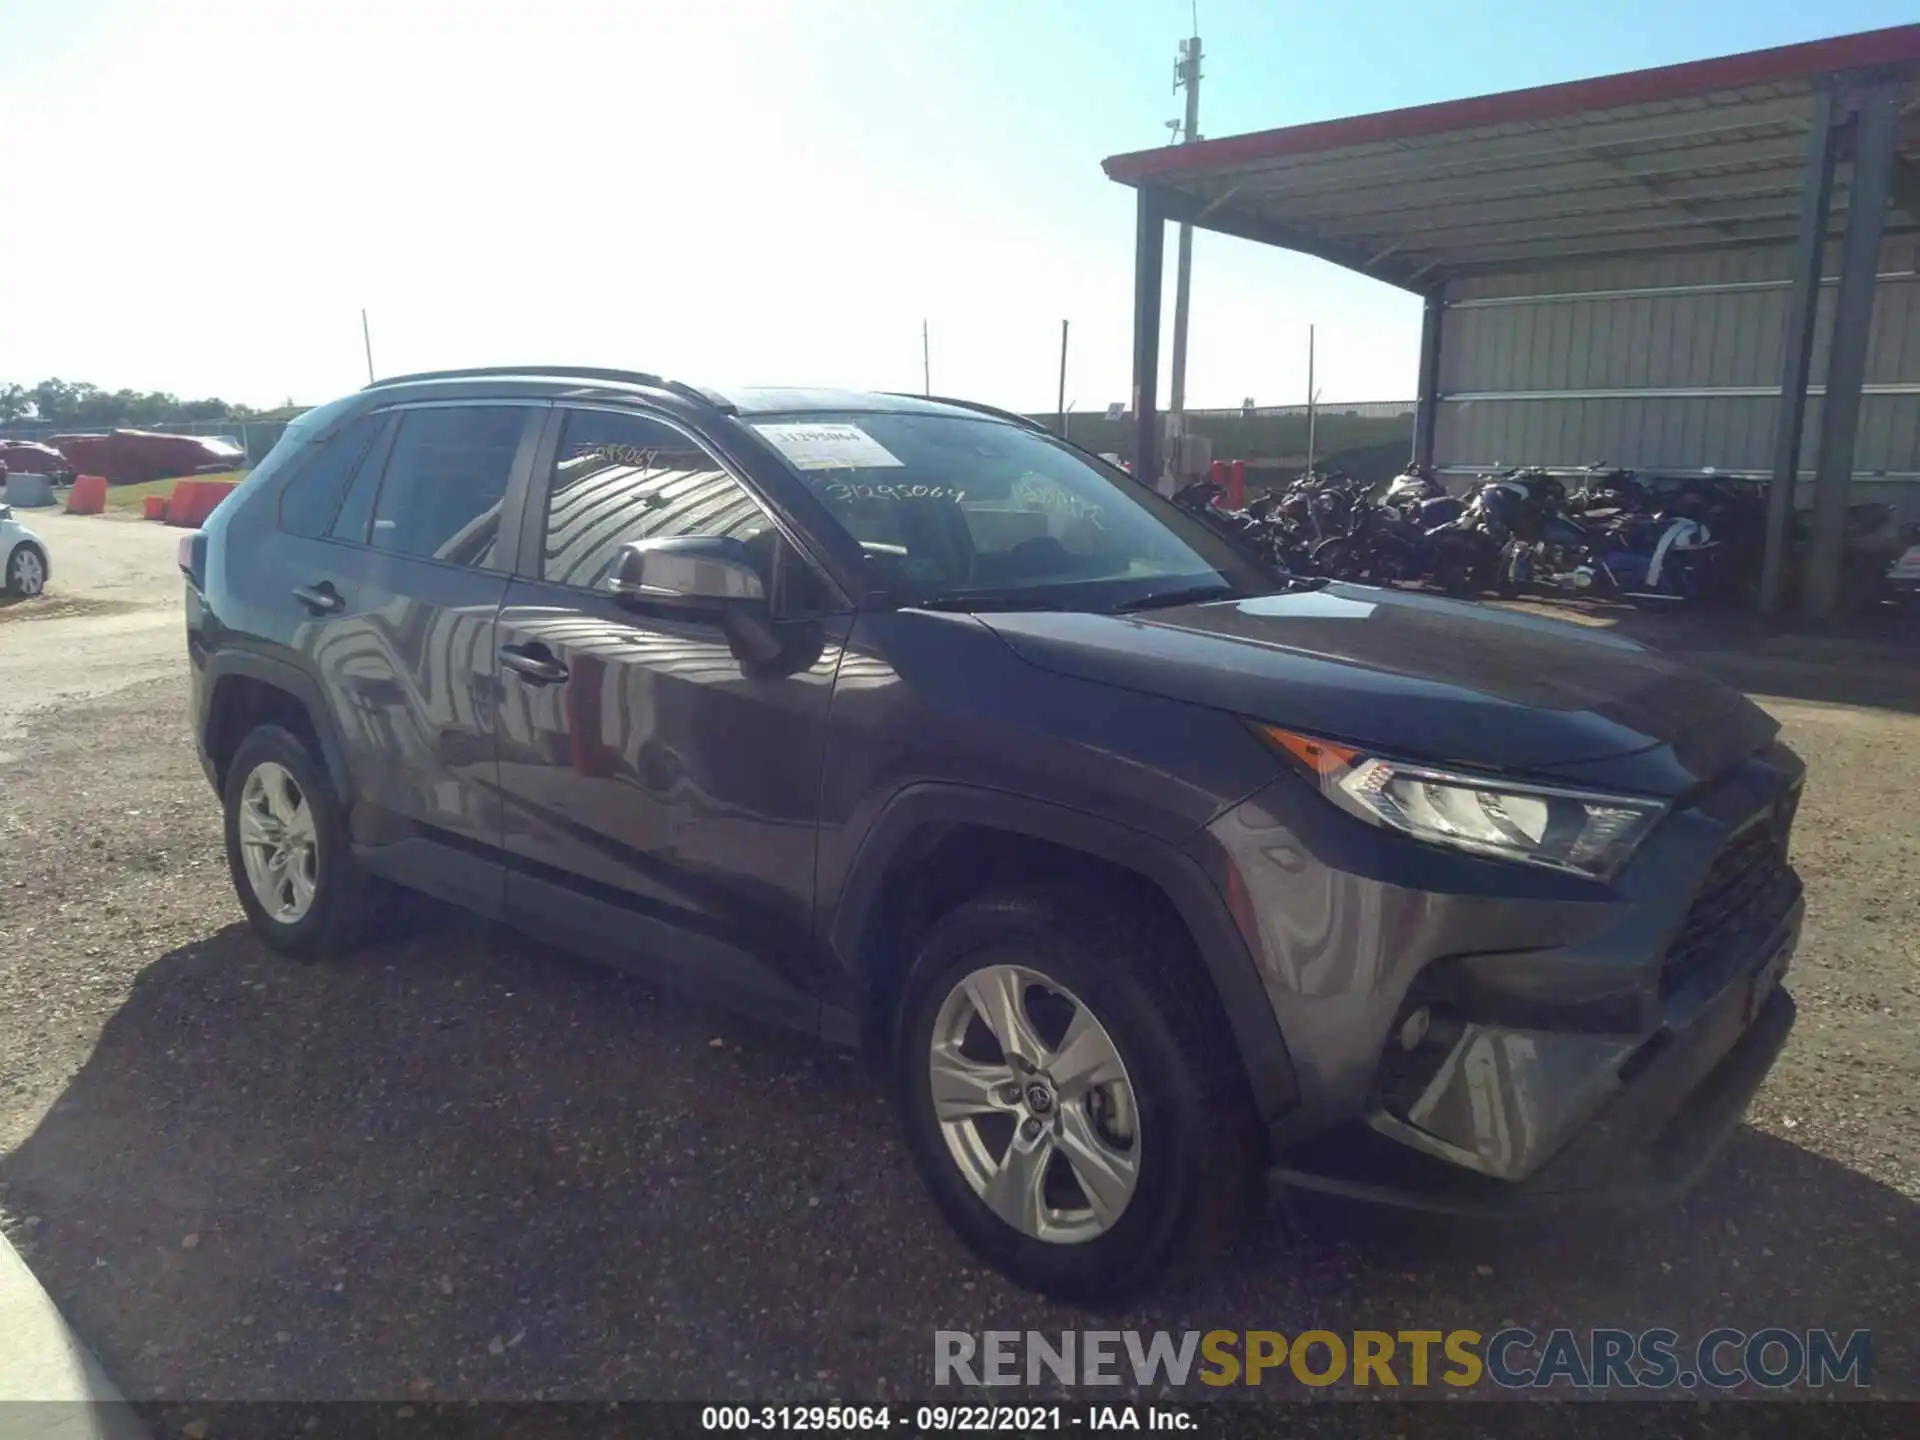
column 1146, row 872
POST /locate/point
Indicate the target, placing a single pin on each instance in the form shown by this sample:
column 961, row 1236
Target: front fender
column 915, row 820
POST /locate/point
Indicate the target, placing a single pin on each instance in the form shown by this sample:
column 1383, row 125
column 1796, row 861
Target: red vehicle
column 127, row 457
column 30, row 457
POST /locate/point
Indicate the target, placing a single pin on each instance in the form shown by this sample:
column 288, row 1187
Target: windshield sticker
column 829, row 447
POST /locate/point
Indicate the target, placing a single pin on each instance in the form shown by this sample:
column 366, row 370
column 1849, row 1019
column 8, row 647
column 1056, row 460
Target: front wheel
column 1065, row 1096
column 26, row 572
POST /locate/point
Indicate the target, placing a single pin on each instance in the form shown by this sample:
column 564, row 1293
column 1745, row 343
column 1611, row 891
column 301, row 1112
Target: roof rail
column 570, row 372
column 1025, row 422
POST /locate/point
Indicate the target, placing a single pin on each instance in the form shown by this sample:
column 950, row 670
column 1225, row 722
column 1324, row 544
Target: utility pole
column 1186, row 76
column 926, row 363
column 1312, row 397
column 366, row 338
column 1063, row 379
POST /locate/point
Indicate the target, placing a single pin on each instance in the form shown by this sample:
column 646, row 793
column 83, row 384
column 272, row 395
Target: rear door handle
column 322, row 599
column 533, row 662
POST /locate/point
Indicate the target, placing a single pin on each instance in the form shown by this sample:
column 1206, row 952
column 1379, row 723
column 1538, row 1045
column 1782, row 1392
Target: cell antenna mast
column 1186, row 76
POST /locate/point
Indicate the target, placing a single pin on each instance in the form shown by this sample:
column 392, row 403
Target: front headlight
column 1580, row 831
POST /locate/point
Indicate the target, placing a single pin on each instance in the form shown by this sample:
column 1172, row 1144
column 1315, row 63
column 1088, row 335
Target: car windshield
column 976, row 512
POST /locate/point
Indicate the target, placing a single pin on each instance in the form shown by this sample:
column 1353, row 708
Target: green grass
column 133, row 497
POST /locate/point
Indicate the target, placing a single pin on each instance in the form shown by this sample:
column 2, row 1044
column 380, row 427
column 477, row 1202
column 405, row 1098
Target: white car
column 23, row 557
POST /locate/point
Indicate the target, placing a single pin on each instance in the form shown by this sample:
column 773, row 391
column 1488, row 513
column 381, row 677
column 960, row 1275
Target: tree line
column 77, row 405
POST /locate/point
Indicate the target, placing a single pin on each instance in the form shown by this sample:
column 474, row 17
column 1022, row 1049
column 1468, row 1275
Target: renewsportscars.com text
column 1512, row 1358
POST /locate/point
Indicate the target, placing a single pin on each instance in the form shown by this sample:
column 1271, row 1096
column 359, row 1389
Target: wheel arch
column 246, row 690
column 936, row 844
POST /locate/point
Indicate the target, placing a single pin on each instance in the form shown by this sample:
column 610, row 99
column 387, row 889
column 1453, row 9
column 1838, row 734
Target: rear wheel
column 1338, row 559
column 289, row 852
column 1067, row 1098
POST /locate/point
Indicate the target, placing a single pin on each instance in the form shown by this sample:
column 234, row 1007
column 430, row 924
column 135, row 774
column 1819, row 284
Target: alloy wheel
column 1035, row 1104
column 29, row 573
column 278, row 843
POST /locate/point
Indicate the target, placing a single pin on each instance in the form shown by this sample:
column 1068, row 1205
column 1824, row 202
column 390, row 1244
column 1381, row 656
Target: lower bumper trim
column 1607, row 1169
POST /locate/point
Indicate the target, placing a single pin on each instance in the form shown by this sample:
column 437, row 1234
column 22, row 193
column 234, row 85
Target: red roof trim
column 1899, row 45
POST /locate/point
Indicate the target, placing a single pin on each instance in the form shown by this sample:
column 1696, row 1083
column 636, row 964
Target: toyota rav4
column 1146, row 872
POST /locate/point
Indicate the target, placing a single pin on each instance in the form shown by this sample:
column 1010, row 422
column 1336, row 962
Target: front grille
column 1748, row 891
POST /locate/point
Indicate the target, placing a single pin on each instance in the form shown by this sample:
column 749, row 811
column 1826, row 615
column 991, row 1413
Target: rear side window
column 312, row 497
column 445, row 479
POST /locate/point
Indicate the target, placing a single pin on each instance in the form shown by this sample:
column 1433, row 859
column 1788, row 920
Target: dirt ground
column 463, row 1165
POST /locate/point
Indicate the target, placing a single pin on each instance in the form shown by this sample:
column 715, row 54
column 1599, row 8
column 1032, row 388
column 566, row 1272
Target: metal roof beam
column 1522, row 258
column 1777, row 166
column 1436, row 240
column 1427, row 223
column 1660, row 191
column 1379, row 263
column 1701, row 125
column 1775, row 144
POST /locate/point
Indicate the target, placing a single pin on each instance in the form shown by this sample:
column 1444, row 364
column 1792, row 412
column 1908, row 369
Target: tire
column 1180, row 1107
column 1454, row 575
column 341, row 902
column 1338, row 559
column 26, row 573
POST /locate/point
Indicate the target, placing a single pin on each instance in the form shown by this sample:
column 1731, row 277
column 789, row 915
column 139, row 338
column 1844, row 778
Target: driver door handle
column 322, row 599
column 533, row 662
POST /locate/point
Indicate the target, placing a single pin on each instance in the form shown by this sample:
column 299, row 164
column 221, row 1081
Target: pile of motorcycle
column 1614, row 534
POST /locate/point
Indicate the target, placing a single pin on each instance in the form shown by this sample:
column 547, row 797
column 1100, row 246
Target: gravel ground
column 463, row 1165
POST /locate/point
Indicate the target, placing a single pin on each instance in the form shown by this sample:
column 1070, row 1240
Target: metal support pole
column 1816, row 199
column 1427, row 407
column 1312, row 396
column 1871, row 180
column 1063, row 379
column 1149, row 260
column 1187, row 74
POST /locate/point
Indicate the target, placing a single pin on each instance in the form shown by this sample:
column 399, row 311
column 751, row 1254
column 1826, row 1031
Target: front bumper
column 1590, row 1045
column 1644, row 1147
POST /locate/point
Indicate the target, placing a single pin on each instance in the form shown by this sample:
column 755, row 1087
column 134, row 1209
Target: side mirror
column 712, row 576
column 704, row 573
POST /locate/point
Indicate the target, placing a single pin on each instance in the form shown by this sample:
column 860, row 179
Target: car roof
column 800, row 400
column 746, row 400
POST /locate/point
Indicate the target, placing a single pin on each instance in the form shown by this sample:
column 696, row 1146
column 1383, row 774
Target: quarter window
column 311, row 498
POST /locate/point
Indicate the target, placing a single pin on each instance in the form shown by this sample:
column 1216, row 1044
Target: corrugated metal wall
column 1671, row 365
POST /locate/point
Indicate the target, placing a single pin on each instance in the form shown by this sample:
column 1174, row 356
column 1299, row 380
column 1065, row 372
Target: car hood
column 1411, row 674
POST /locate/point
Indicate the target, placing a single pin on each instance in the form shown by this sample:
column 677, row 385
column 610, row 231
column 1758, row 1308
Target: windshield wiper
column 985, row 600
column 1199, row 594
column 1163, row 599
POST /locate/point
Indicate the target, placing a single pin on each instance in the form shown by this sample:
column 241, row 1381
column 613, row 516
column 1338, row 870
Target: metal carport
column 1636, row 264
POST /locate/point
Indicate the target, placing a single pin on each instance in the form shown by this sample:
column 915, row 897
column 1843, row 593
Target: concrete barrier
column 193, row 501
column 155, row 506
column 88, row 495
column 29, row 491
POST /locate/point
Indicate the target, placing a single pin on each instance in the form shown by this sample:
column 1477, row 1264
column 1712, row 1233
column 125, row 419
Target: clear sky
column 201, row 194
